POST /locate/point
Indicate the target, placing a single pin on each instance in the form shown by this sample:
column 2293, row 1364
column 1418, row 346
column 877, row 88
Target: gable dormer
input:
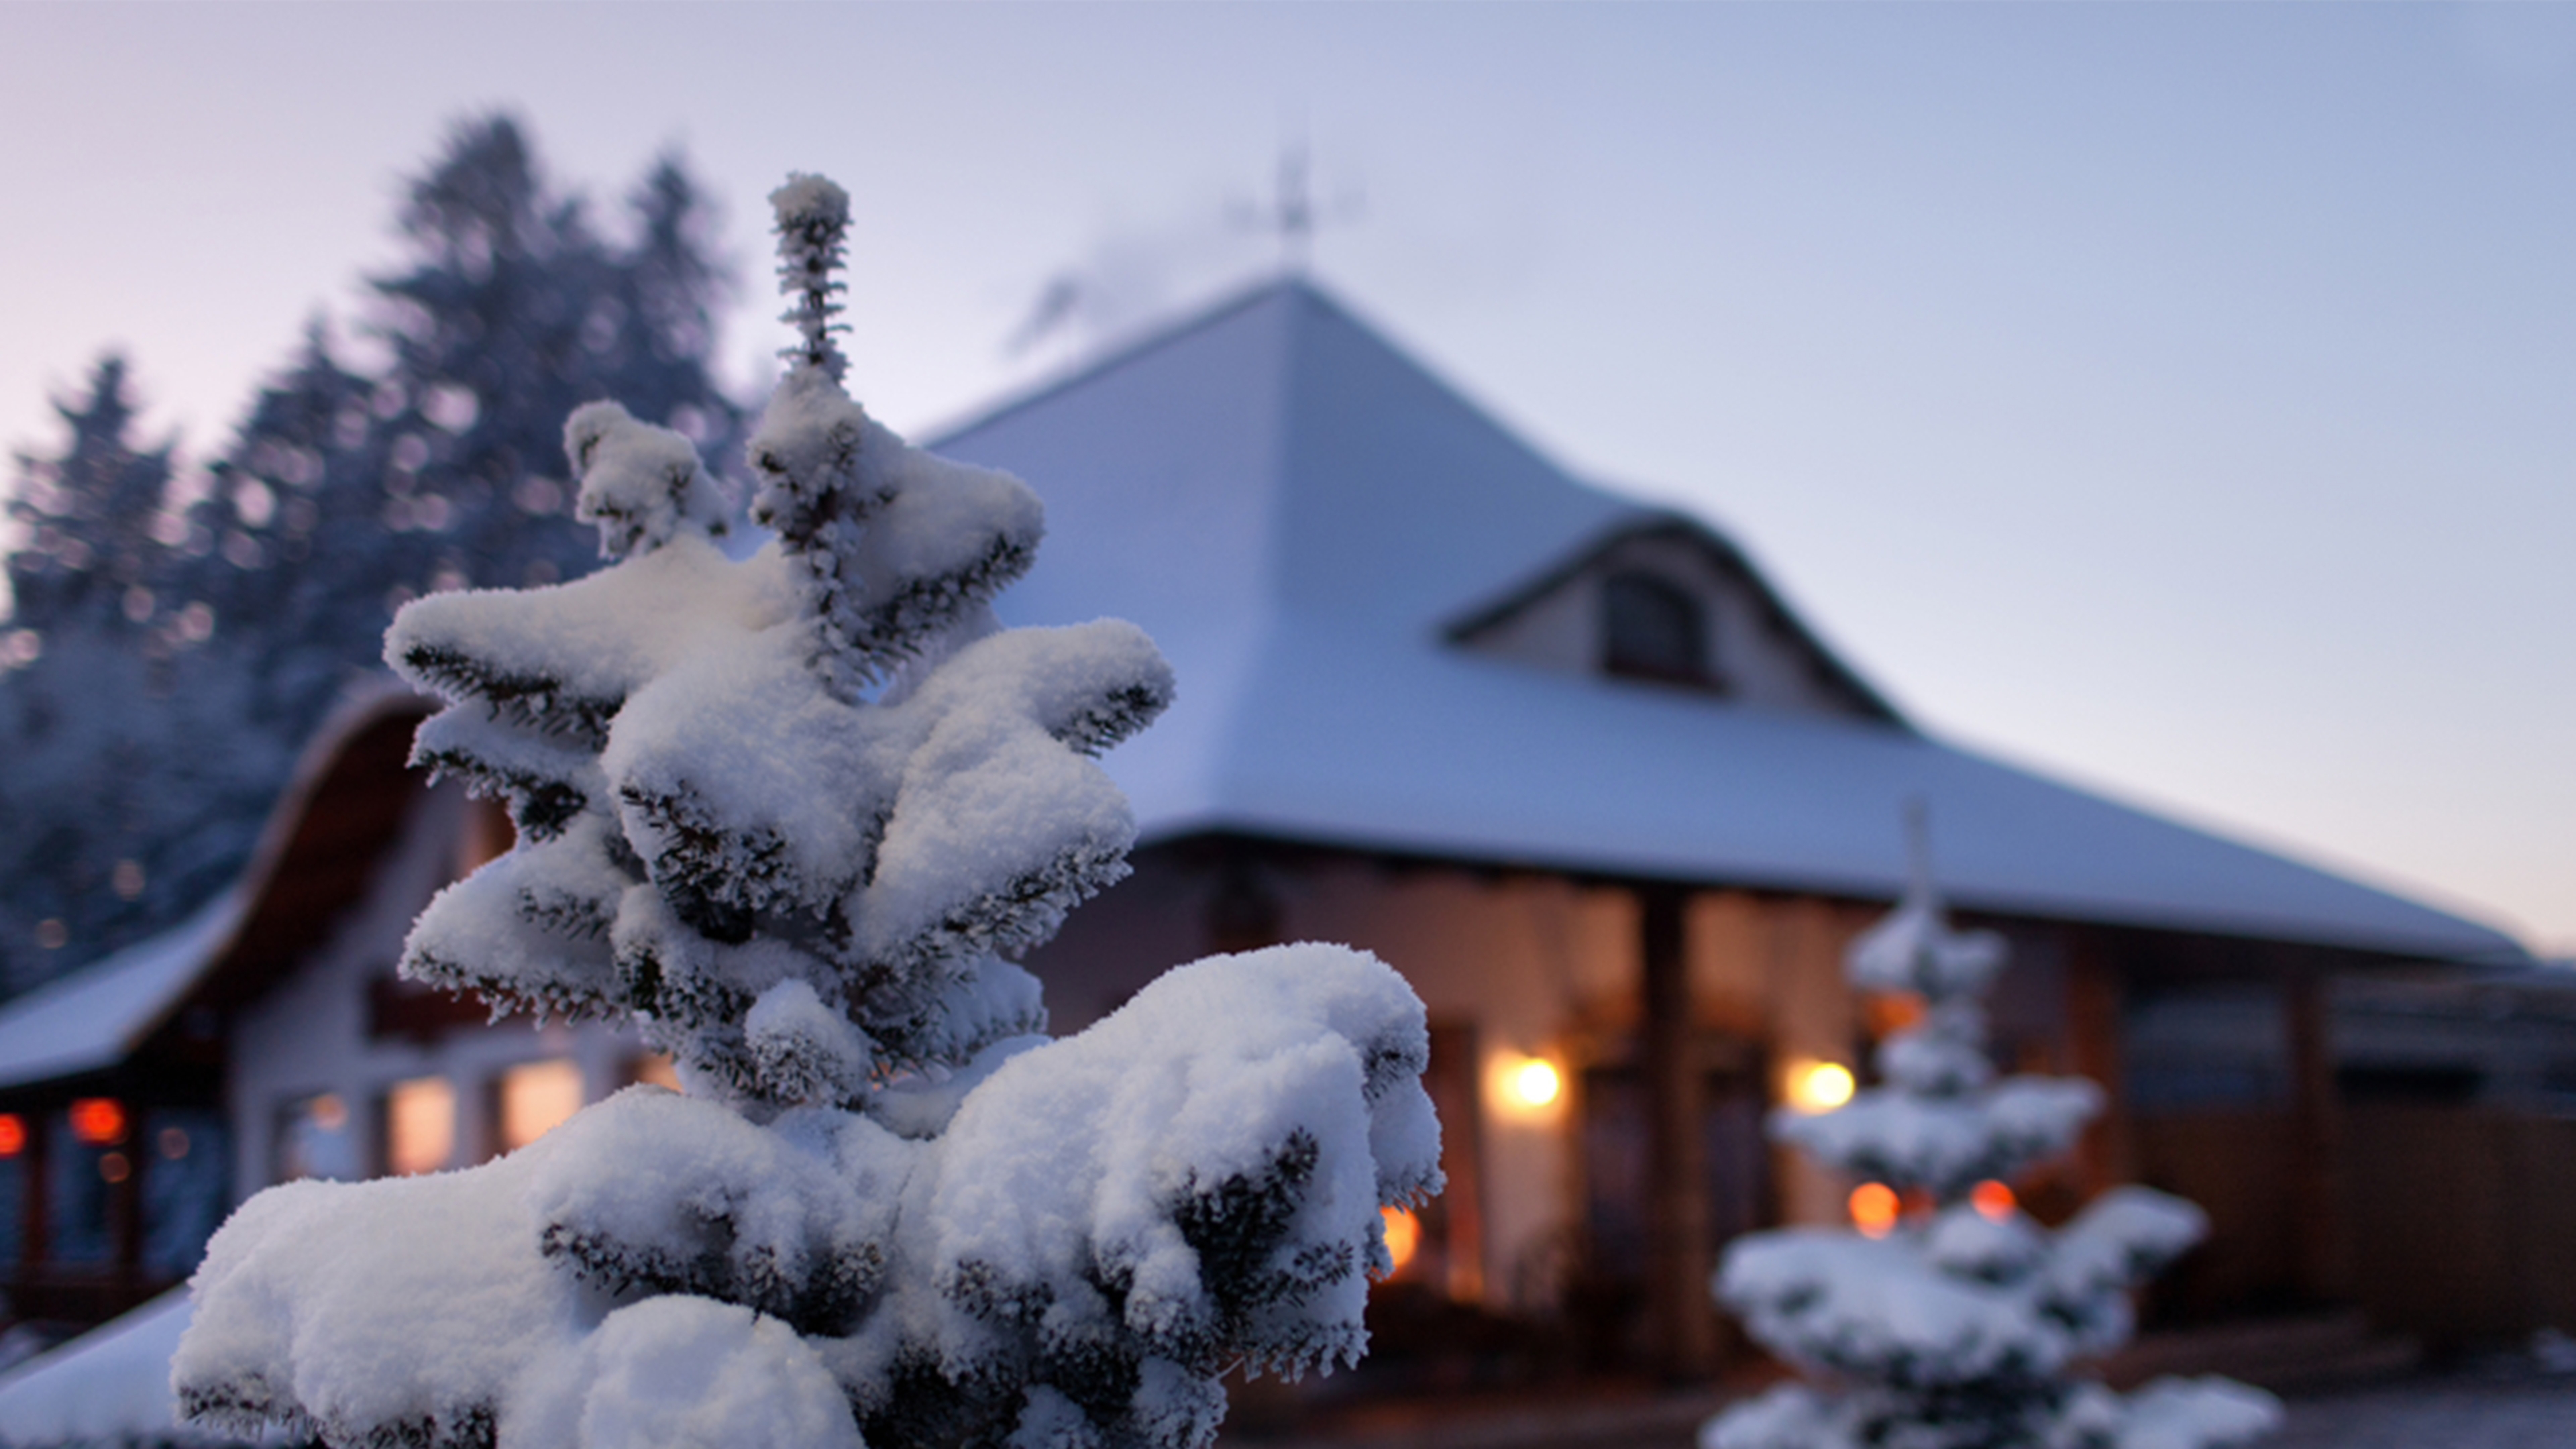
column 1663, row 602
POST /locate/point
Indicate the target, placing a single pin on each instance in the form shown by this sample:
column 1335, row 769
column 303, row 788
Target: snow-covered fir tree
column 129, row 793
column 790, row 816
column 347, row 493
column 87, row 518
column 1955, row 1324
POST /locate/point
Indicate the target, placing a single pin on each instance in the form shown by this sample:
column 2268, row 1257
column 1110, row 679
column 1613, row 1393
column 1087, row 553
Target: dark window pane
column 185, row 1160
column 89, row 1158
column 1651, row 629
column 13, row 1209
column 316, row 1138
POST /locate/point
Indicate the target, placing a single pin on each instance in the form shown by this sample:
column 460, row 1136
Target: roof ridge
column 1151, row 339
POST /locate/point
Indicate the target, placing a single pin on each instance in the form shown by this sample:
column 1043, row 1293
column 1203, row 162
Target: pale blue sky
column 2181, row 399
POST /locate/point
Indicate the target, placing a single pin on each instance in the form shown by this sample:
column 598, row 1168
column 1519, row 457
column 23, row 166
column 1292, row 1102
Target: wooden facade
column 1675, row 1014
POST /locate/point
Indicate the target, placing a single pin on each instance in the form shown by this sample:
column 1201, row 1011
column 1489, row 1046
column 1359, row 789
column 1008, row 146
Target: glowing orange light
column 1536, row 1083
column 1992, row 1198
column 1890, row 1014
column 1874, row 1207
column 1819, row 1086
column 98, row 1121
column 328, row 1112
column 1403, row 1236
column 13, row 1134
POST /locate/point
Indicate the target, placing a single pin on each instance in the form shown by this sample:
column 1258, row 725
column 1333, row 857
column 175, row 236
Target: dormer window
column 1653, row 629
column 1667, row 602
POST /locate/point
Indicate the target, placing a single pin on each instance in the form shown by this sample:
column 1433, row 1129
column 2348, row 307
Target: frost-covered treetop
column 784, row 812
column 887, row 545
column 1940, row 1121
column 789, row 815
column 1956, row 1326
column 813, row 214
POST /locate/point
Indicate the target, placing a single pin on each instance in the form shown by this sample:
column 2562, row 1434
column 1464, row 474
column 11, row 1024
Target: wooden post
column 125, row 1207
column 2107, row 1156
column 1677, row 1253
column 36, row 1246
column 2317, row 1131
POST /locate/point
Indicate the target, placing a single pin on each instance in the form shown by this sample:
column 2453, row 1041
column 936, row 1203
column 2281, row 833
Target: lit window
column 487, row 835
column 1522, row 1088
column 98, row 1121
column 420, row 1126
column 1819, row 1086
column 535, row 1097
column 1403, row 1237
column 1535, row 1082
column 654, row 1067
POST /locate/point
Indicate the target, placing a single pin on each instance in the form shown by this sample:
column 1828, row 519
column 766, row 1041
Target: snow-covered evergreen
column 175, row 640
column 790, row 815
column 1956, row 1326
column 130, row 791
column 347, row 493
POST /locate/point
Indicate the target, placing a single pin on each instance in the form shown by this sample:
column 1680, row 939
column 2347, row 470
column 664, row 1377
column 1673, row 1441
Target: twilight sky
column 2180, row 399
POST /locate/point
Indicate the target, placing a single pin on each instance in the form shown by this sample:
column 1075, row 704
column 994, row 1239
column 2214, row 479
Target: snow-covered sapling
column 788, row 816
column 1955, row 1326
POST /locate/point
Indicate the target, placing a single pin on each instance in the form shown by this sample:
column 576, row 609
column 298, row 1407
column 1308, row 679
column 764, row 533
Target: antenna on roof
column 1292, row 213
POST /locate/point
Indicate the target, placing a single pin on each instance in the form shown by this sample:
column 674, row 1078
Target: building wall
column 1529, row 964
column 1518, row 967
column 310, row 1034
column 1532, row 967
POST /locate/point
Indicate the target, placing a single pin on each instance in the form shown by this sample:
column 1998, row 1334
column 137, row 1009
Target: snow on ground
column 110, row 1384
column 2518, row 1413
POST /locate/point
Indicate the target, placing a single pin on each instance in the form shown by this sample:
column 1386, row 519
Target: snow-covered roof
column 1298, row 512
column 108, row 1386
column 92, row 1018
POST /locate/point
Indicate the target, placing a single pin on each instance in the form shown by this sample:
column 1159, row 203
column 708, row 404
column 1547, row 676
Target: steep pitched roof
column 1298, row 512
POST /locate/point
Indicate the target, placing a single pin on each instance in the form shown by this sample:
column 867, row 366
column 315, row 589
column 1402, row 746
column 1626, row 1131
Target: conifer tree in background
column 1954, row 1327
column 91, row 519
column 789, row 816
column 346, row 494
column 227, row 623
column 129, row 790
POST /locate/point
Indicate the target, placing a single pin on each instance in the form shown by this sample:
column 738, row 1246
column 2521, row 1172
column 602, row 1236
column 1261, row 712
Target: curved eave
column 310, row 864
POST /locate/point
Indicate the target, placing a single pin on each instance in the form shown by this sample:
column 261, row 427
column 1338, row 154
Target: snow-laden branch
column 1107, row 1222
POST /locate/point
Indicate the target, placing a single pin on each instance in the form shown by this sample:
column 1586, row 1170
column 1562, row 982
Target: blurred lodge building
column 1569, row 763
